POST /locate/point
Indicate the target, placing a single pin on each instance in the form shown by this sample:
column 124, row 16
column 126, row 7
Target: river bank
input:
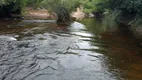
column 43, row 14
column 134, row 29
column 40, row 14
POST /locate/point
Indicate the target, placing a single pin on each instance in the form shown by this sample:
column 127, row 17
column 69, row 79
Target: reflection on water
column 99, row 26
column 42, row 50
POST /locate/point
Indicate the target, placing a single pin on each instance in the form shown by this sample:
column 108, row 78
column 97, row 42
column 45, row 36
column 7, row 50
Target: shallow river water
column 86, row 50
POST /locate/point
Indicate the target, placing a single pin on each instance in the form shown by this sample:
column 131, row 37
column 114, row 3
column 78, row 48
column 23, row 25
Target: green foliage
column 13, row 5
column 62, row 8
column 53, row 5
column 9, row 6
column 131, row 6
column 93, row 5
column 5, row 2
column 34, row 3
column 127, row 7
column 88, row 7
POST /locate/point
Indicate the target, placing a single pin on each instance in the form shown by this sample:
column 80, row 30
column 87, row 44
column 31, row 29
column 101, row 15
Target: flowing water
column 87, row 50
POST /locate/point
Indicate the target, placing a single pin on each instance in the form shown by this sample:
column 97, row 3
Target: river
column 87, row 50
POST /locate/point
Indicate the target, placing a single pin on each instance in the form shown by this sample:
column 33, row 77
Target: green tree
column 8, row 7
column 62, row 8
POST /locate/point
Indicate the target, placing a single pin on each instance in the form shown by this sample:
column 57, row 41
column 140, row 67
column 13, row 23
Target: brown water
column 93, row 50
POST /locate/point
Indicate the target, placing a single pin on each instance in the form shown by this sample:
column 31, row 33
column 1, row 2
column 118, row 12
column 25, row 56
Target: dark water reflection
column 42, row 50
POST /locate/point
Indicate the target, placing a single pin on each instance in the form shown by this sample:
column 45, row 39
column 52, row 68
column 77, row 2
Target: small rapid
column 43, row 50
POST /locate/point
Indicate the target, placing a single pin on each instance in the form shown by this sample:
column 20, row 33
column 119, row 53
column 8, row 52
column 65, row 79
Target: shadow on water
column 43, row 50
column 120, row 47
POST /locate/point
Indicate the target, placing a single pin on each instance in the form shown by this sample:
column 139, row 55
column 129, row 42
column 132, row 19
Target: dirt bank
column 41, row 14
column 44, row 14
